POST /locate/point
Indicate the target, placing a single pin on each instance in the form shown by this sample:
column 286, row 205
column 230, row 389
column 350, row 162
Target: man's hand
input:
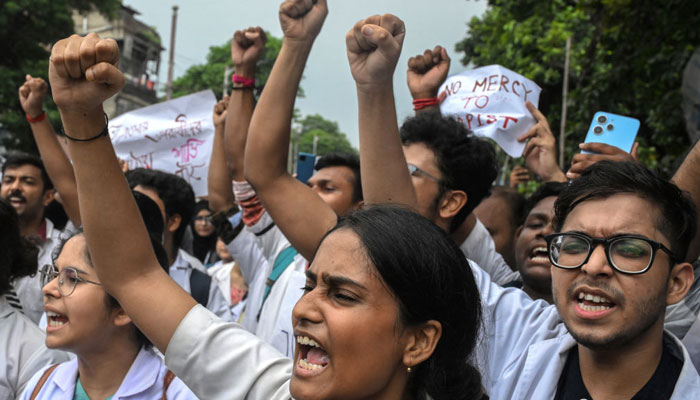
column 246, row 48
column 427, row 71
column 519, row 175
column 373, row 48
column 301, row 20
column 603, row 152
column 220, row 112
column 83, row 73
column 32, row 94
column 540, row 152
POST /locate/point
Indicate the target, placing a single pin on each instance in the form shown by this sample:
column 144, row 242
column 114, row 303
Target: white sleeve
column 248, row 254
column 479, row 247
column 219, row 360
column 512, row 321
column 217, row 302
column 269, row 236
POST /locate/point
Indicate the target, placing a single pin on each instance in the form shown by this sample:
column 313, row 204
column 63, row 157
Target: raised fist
column 246, row 48
column 301, row 20
column 220, row 112
column 373, row 47
column 427, row 71
column 31, row 95
column 83, row 73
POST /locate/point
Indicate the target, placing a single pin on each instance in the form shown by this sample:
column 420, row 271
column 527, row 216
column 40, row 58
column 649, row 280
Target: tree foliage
column 29, row 29
column 330, row 138
column 210, row 75
column 627, row 58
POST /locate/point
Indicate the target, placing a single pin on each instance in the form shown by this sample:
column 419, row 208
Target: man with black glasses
column 617, row 256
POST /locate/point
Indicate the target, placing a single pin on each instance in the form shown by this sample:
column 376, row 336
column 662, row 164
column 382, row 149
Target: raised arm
column 83, row 74
column 58, row 167
column 426, row 72
column 541, row 150
column 300, row 213
column 687, row 177
column 247, row 47
column 373, row 48
column 219, row 179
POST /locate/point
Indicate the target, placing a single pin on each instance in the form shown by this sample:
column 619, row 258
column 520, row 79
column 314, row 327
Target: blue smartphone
column 305, row 166
column 612, row 129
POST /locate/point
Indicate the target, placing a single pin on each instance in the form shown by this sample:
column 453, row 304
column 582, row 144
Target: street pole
column 565, row 92
column 171, row 60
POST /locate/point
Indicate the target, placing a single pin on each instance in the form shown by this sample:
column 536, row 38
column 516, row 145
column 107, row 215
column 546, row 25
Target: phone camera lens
column 602, row 119
column 598, row 130
column 610, row 127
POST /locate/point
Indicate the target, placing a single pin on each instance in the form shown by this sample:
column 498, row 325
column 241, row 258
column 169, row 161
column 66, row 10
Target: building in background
column 140, row 48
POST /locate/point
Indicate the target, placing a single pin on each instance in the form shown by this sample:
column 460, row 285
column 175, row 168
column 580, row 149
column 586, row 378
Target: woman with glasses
column 204, row 235
column 114, row 360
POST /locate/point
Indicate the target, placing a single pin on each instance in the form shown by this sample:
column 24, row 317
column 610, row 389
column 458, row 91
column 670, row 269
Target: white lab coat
column 143, row 381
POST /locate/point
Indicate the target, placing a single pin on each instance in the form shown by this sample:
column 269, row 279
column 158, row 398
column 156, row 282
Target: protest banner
column 490, row 101
column 174, row 136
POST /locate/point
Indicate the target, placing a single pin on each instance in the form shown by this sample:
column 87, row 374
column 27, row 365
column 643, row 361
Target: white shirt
column 181, row 270
column 220, row 360
column 143, row 381
column 22, row 351
column 525, row 346
column 28, row 288
column 479, row 247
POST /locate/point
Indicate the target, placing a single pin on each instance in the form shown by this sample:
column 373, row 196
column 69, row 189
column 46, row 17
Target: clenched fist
column 301, row 20
column 373, row 48
column 246, row 48
column 83, row 73
column 427, row 71
column 32, row 94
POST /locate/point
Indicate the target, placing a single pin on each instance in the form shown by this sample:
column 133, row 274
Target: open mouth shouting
column 592, row 305
column 312, row 357
column 539, row 255
column 55, row 321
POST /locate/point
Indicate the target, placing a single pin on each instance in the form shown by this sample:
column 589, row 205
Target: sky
column 328, row 86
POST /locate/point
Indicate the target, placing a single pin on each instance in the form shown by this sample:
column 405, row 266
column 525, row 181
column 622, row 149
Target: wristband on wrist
column 105, row 132
column 242, row 80
column 39, row 118
column 419, row 104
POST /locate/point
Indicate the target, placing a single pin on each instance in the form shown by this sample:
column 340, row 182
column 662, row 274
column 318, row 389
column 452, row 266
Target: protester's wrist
column 424, row 94
column 244, row 70
column 555, row 176
column 375, row 87
column 298, row 45
column 83, row 124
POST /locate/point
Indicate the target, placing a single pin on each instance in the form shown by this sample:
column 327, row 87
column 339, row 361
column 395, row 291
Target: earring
column 408, row 370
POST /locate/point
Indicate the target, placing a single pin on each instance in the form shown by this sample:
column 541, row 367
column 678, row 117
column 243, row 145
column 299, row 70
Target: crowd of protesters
column 399, row 274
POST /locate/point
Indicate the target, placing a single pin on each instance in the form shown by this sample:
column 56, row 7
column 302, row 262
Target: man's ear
column 47, row 197
column 173, row 222
column 517, row 233
column 679, row 281
column 452, row 201
column 421, row 342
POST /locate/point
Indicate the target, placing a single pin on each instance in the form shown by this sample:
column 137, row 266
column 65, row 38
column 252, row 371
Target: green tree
column 210, row 74
column 29, row 29
column 330, row 138
column 627, row 58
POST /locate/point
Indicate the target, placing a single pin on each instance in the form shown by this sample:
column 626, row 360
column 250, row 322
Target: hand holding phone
column 612, row 129
column 305, row 166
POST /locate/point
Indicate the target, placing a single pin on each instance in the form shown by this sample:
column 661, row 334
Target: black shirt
column 660, row 385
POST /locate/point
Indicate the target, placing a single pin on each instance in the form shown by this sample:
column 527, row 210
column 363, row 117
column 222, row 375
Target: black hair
column 466, row 162
column 150, row 212
column 516, row 202
column 17, row 159
column 203, row 245
column 677, row 216
column 176, row 193
column 430, row 279
column 349, row 160
column 18, row 257
column 547, row 189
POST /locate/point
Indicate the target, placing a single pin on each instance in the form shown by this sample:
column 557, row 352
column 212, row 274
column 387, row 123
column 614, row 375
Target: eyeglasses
column 203, row 218
column 68, row 278
column 413, row 170
column 628, row 254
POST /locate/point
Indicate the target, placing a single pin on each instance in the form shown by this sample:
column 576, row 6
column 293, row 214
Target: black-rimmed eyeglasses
column 629, row 254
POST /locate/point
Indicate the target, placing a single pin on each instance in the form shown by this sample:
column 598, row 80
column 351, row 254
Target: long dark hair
column 18, row 256
column 431, row 280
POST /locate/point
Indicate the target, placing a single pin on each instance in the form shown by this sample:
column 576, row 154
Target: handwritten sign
column 174, row 136
column 490, row 101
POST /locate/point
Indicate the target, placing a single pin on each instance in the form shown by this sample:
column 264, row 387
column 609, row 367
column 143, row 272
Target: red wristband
column 40, row 118
column 419, row 104
column 246, row 82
